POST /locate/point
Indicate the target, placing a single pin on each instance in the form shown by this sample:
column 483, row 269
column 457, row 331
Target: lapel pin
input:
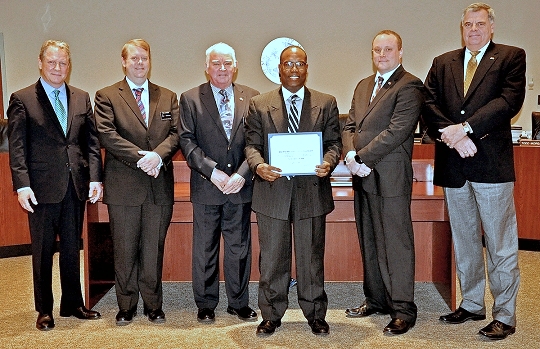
column 241, row 98
column 491, row 57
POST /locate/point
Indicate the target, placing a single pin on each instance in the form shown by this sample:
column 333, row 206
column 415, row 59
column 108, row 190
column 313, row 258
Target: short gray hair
column 220, row 48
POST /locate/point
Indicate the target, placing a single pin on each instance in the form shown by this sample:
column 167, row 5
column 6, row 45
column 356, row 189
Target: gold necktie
column 471, row 68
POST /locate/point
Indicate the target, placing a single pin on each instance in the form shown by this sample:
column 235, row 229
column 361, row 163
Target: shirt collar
column 132, row 85
column 386, row 75
column 49, row 89
column 287, row 94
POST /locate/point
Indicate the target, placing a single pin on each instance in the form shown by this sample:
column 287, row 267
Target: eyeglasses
column 225, row 64
column 289, row 65
column 137, row 59
column 380, row 51
column 52, row 64
column 479, row 25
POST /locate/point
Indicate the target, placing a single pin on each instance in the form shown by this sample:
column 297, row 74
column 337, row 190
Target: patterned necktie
column 60, row 111
column 138, row 92
column 471, row 69
column 293, row 114
column 379, row 85
column 225, row 113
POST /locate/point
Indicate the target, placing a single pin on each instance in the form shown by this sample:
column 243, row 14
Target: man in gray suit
column 378, row 142
column 212, row 141
column 297, row 202
column 470, row 115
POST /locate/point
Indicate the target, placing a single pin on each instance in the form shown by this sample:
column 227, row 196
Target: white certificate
column 295, row 154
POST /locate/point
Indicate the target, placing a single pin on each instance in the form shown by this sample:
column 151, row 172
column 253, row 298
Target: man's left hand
column 452, row 134
column 234, row 185
column 323, row 169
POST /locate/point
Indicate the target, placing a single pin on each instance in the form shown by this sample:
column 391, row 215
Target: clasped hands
column 227, row 184
column 455, row 137
column 271, row 173
column 149, row 163
column 354, row 167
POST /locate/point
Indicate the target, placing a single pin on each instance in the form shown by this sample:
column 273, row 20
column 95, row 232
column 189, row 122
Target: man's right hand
column 25, row 196
column 267, row 172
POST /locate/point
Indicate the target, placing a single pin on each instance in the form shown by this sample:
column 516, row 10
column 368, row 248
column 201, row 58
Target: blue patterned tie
column 225, row 113
column 293, row 114
column 60, row 111
column 138, row 92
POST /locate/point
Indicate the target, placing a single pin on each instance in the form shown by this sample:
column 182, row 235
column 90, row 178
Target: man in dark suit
column 473, row 93
column 297, row 202
column 378, row 140
column 56, row 166
column 212, row 140
column 137, row 123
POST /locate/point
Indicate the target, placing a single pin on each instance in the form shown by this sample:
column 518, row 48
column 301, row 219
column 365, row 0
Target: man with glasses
column 55, row 163
column 474, row 92
column 287, row 205
column 137, row 123
column 378, row 141
column 212, row 141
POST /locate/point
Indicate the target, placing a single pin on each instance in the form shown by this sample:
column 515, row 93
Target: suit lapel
column 310, row 112
column 155, row 93
column 239, row 107
column 127, row 95
column 278, row 112
column 209, row 103
column 485, row 65
column 457, row 71
column 48, row 109
column 71, row 110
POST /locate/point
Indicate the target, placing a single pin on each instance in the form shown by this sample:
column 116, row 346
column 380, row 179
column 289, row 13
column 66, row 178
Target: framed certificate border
column 296, row 154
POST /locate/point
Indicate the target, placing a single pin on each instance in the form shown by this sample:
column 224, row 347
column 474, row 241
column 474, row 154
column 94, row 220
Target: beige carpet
column 17, row 320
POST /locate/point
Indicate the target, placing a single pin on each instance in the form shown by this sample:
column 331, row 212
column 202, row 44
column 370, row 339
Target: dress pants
column 138, row 234
column 387, row 244
column 488, row 207
column 63, row 219
column 275, row 240
column 210, row 222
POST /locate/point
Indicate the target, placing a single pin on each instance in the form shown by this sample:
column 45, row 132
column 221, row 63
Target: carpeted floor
column 17, row 319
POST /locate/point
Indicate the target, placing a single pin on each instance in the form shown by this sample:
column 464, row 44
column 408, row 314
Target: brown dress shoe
column 44, row 322
column 497, row 330
column 80, row 313
column 267, row 327
column 398, row 326
column 460, row 316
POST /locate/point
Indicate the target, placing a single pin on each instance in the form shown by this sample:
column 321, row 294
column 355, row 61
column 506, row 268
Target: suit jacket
column 268, row 114
column 382, row 132
column 494, row 97
column 41, row 156
column 205, row 145
column 123, row 133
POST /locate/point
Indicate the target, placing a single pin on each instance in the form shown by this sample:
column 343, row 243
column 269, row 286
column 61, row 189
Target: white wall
column 336, row 35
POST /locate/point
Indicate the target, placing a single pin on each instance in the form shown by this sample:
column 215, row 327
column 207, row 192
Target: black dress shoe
column 319, row 327
column 206, row 315
column 460, row 316
column 267, row 327
column 244, row 313
column 80, row 313
column 398, row 326
column 44, row 322
column 156, row 316
column 497, row 330
column 125, row 317
column 363, row 310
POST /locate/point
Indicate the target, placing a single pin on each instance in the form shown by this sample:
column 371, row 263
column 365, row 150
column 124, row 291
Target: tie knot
column 138, row 91
column 294, row 98
column 225, row 95
column 474, row 53
column 56, row 93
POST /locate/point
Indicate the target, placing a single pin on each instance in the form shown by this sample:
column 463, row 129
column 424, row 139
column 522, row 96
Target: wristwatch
column 466, row 127
column 358, row 160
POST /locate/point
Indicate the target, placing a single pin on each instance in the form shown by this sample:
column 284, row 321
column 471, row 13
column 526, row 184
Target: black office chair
column 535, row 125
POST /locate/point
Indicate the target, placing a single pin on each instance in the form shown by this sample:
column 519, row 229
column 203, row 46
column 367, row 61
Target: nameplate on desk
column 530, row 142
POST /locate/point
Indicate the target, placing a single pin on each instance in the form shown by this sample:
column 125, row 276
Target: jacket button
column 229, row 165
column 462, row 112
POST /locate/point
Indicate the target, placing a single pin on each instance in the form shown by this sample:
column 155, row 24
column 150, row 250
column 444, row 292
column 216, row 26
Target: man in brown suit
column 137, row 123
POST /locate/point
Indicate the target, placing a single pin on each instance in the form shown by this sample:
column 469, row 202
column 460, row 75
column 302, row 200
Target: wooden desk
column 342, row 258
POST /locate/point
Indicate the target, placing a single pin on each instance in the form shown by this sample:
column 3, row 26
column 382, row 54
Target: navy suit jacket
column 494, row 97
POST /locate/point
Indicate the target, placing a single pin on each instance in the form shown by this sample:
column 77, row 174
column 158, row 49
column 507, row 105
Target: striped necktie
column 138, row 92
column 60, row 111
column 379, row 85
column 471, row 69
column 293, row 114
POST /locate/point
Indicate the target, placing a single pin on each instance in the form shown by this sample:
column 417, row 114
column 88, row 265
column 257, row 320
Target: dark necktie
column 471, row 69
column 60, row 111
column 293, row 114
column 138, row 92
column 379, row 85
column 225, row 113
